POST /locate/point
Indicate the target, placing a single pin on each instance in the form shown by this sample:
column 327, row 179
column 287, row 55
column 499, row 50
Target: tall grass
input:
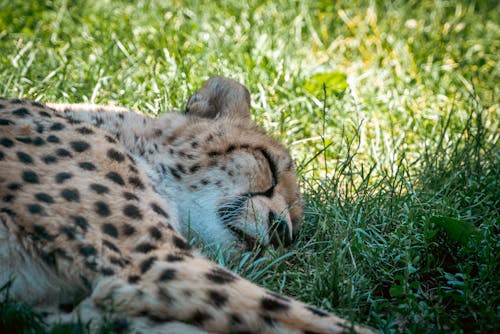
column 389, row 108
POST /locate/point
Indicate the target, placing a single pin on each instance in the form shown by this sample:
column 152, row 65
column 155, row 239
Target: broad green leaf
column 396, row 291
column 457, row 230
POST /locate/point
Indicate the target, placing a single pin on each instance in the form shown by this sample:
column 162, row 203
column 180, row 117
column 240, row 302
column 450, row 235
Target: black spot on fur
column 8, row 211
column 57, row 127
column 30, row 176
column 115, row 155
column 220, row 276
column 81, row 222
column 102, row 209
column 38, row 141
column 92, row 265
column 25, row 140
column 167, row 275
column 110, row 230
column 53, row 139
column 6, row 142
column 8, row 198
column 133, row 279
column 181, row 168
column 194, row 168
column 14, row 186
column 147, row 264
column 317, row 312
column 24, row 158
column 155, row 233
column 99, row 188
column 4, row 122
column 87, row 250
column 174, row 258
column 180, row 243
column 156, row 208
column 217, row 298
column 116, row 178
column 79, row 146
column 128, row 230
column 49, row 159
column 87, row 166
column 42, row 233
column 69, row 231
column 85, row 131
column 110, row 139
column 39, row 127
column 273, row 305
column 145, row 247
column 63, row 153
column 44, row 197
column 174, row 173
column 199, row 317
column 35, row 209
column 63, row 176
column 107, row 271
column 21, row 112
column 111, row 246
column 268, row 320
column 136, row 182
column 132, row 211
column 129, row 196
column 71, row 194
column 44, row 114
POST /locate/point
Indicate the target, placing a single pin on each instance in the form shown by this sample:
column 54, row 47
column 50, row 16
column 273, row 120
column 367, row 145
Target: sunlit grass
column 404, row 132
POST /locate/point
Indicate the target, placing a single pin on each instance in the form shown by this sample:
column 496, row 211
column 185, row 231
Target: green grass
column 398, row 153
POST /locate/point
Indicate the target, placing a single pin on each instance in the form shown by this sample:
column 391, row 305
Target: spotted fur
column 94, row 202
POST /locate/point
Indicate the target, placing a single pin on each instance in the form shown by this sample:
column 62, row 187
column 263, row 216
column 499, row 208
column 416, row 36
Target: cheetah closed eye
column 95, row 202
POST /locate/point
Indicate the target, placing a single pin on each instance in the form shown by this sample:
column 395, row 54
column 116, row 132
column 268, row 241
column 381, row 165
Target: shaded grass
column 406, row 131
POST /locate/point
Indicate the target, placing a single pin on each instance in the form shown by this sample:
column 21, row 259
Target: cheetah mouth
column 230, row 212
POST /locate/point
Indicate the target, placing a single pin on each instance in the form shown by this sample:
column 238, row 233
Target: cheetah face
column 233, row 183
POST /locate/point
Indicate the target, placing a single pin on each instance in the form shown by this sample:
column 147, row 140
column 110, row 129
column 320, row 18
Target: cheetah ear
column 220, row 97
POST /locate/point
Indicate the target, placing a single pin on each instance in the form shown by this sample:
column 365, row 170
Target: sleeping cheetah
column 94, row 202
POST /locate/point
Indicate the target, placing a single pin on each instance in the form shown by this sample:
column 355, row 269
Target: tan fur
column 94, row 203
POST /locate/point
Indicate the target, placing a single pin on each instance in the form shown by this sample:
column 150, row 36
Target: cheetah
column 95, row 204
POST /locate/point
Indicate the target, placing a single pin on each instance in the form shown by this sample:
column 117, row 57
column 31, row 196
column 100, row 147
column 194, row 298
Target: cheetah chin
column 96, row 203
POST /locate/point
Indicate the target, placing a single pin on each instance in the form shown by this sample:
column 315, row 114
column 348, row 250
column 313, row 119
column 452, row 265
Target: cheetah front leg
column 194, row 291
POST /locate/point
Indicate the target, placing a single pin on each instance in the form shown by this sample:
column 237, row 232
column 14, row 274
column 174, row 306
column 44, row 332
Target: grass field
column 391, row 110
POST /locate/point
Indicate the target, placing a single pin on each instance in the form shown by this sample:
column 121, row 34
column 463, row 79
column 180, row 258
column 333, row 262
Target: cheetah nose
column 279, row 230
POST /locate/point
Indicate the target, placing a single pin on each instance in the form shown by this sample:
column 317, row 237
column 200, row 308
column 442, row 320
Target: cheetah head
column 231, row 182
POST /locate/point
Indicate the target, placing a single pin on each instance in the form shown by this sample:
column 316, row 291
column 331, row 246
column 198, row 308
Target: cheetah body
column 96, row 202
